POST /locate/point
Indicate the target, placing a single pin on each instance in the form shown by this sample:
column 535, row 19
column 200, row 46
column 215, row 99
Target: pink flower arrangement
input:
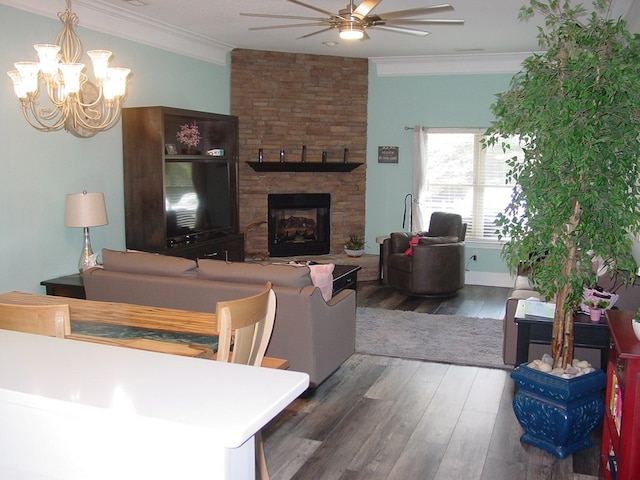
column 189, row 134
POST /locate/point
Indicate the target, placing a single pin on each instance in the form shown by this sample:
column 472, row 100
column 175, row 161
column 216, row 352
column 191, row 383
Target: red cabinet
column 619, row 458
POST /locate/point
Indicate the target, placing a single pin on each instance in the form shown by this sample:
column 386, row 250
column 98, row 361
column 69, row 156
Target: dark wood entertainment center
column 177, row 202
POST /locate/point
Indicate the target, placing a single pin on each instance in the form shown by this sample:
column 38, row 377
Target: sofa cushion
column 147, row 263
column 253, row 273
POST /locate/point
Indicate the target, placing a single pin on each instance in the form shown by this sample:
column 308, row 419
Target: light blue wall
column 38, row 169
column 434, row 101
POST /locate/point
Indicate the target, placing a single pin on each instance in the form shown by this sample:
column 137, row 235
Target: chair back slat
column 247, row 324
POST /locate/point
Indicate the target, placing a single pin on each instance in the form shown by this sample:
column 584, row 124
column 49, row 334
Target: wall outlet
column 474, row 256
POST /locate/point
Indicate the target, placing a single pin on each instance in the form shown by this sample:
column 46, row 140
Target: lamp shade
column 85, row 210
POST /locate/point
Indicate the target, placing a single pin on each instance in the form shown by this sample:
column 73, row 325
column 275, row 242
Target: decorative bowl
column 636, row 328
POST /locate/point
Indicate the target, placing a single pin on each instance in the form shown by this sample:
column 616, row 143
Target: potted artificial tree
column 576, row 111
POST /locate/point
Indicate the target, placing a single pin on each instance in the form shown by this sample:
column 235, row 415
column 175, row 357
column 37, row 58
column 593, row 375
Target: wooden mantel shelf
column 303, row 166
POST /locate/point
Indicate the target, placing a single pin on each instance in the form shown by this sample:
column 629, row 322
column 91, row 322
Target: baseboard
column 489, row 279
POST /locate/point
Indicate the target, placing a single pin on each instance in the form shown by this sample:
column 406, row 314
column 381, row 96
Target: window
column 460, row 176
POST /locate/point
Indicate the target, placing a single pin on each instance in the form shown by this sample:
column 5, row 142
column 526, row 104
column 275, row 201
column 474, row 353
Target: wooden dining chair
column 51, row 320
column 245, row 327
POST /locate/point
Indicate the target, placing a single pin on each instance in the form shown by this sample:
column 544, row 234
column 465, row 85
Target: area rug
column 434, row 338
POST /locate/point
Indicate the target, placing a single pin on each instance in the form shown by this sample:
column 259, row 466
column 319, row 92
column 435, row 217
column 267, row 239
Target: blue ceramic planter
column 557, row 414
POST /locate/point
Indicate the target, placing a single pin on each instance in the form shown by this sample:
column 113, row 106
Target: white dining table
column 74, row 410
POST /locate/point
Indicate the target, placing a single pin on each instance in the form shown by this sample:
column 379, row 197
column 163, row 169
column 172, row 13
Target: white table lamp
column 85, row 210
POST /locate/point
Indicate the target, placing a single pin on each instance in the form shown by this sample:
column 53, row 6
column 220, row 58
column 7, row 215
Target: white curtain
column 420, row 186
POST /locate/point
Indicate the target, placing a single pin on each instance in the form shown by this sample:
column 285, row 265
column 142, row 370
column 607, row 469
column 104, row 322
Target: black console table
column 70, row 286
column 345, row 276
column 538, row 330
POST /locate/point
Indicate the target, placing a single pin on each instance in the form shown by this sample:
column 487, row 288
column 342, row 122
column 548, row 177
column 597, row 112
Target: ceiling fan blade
column 289, row 17
column 365, row 8
column 302, row 4
column 408, row 31
column 274, row 27
column 315, row 33
column 425, row 21
column 414, row 12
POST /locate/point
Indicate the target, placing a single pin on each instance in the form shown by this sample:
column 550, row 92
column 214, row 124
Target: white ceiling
column 199, row 27
column 221, row 20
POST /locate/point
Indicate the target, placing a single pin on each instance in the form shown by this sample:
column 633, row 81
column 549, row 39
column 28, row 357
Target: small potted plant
column 595, row 308
column 354, row 246
column 189, row 135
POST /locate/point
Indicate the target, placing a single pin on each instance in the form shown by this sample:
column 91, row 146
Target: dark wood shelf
column 303, row 166
column 207, row 158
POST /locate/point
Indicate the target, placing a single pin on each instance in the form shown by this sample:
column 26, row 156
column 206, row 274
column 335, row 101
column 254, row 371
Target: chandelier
column 72, row 101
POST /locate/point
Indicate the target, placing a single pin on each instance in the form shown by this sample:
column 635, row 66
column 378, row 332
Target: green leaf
column 576, row 110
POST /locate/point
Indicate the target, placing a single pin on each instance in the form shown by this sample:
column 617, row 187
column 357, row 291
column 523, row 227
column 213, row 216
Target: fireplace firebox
column 299, row 224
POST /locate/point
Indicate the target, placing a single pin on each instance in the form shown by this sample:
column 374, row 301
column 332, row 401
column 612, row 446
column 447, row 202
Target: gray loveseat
column 314, row 335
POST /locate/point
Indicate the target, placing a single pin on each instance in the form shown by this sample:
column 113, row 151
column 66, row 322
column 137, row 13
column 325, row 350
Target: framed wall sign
column 388, row 154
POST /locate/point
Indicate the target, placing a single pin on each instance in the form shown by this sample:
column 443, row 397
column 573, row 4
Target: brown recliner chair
column 435, row 266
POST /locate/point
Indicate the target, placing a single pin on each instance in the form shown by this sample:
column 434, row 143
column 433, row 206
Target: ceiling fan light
column 351, row 32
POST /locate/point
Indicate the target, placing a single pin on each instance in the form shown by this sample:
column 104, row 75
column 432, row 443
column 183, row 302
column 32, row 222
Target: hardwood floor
column 380, row 418
column 471, row 301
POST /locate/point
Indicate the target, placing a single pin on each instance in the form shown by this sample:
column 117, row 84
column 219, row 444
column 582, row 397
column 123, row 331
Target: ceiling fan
column 353, row 21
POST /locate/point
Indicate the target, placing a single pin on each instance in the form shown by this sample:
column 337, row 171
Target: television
column 198, row 200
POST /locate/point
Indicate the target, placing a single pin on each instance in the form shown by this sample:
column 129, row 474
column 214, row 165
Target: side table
column 380, row 241
column 70, row 286
column 345, row 276
column 538, row 330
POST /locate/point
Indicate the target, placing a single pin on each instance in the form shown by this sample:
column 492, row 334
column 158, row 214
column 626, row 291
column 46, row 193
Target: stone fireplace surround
column 284, row 101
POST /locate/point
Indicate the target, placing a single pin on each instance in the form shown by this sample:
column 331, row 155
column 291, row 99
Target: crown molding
column 110, row 19
column 450, row 64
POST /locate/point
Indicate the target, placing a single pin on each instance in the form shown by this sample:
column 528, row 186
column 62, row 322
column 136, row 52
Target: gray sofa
column 314, row 335
column 629, row 299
